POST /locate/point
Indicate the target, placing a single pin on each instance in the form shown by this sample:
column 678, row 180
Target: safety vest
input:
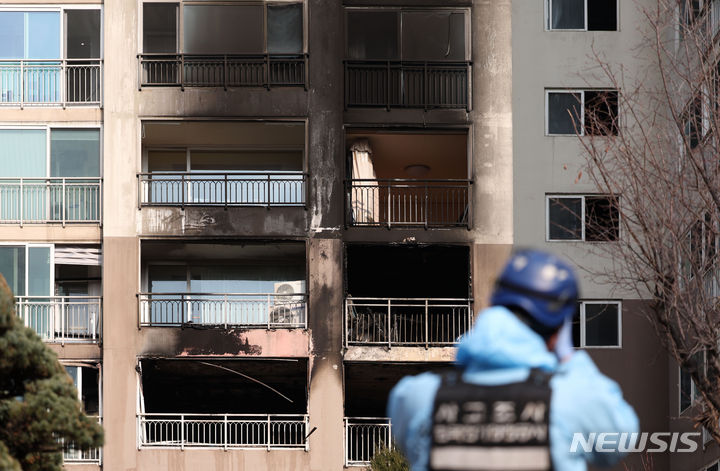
column 491, row 428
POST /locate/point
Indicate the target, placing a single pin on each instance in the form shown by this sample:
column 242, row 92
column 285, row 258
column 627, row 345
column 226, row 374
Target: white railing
column 280, row 431
column 62, row 318
column 365, row 436
column 50, row 200
column 66, row 82
column 222, row 189
column 223, row 309
column 406, row 321
column 93, row 455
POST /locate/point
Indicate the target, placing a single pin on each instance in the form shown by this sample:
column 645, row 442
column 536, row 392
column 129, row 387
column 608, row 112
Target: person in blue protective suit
column 520, row 391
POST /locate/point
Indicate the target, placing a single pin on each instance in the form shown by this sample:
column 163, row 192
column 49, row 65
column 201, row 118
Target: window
column 27, row 269
column 87, row 382
column 583, row 15
column 223, row 28
column 587, row 112
column 392, row 34
column 693, row 123
column 588, row 218
column 688, row 390
column 599, row 324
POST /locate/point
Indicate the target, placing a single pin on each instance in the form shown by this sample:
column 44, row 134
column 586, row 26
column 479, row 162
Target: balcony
column 57, row 82
column 222, row 189
column 408, row 179
column 406, row 322
column 226, row 431
column 365, row 436
column 50, row 200
column 91, row 456
column 62, row 319
column 271, row 310
column 409, row 203
column 223, row 70
column 407, row 84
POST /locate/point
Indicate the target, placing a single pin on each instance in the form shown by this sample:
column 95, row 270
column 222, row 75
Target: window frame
column 694, row 394
column 180, row 20
column 583, row 214
column 582, row 92
column 27, row 246
column 583, row 324
column 62, row 9
column 548, row 19
column 466, row 13
column 48, row 127
column 80, row 364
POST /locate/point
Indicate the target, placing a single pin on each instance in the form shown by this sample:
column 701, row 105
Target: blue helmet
column 541, row 284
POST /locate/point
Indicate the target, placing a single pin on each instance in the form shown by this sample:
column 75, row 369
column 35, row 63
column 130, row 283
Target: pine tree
column 39, row 408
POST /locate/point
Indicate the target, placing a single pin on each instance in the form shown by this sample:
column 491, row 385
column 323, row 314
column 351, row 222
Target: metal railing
column 406, row 321
column 62, row 318
column 223, row 309
column 277, row 431
column 223, row 70
column 408, row 84
column 405, row 202
column 365, row 436
column 49, row 200
column 93, row 455
column 54, row 82
column 222, row 189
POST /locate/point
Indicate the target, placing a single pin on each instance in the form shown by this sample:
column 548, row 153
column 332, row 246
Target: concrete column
column 326, row 385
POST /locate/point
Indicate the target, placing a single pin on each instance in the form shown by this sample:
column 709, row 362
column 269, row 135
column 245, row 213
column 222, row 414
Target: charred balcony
column 223, row 285
column 227, row 404
column 395, row 298
column 222, row 176
column 408, row 179
column 367, row 388
column 397, row 58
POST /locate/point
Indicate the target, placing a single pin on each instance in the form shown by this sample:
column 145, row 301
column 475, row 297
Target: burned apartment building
column 240, row 223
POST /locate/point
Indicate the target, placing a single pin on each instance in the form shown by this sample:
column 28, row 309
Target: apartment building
column 240, row 223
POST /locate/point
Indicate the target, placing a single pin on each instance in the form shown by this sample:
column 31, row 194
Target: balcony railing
column 365, row 436
column 223, row 70
column 406, row 321
column 225, row 431
column 402, row 84
column 222, row 189
column 62, row 318
column 225, row 309
column 67, row 82
column 50, row 200
column 403, row 202
column 91, row 456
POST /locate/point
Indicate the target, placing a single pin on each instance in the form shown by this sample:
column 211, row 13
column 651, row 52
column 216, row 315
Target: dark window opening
column 692, row 123
column 602, row 219
column 87, row 381
column 564, row 112
column 373, row 35
column 225, row 386
column 601, row 112
column 570, row 15
column 160, row 27
column 285, row 29
column 83, row 34
column 408, row 272
column 565, row 218
column 602, row 15
column 601, row 325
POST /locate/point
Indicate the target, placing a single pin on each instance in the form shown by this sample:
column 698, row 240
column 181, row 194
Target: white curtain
column 364, row 194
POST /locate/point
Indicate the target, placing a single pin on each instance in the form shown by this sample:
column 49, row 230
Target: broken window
column 585, row 112
column 585, row 15
column 223, row 403
column 432, row 35
column 589, row 218
column 87, row 383
column 395, row 297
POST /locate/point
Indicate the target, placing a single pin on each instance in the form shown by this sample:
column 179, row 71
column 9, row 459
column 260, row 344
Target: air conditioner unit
column 289, row 308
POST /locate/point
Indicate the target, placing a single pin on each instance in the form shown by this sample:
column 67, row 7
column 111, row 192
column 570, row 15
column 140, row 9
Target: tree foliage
column 39, row 408
column 389, row 459
column 661, row 160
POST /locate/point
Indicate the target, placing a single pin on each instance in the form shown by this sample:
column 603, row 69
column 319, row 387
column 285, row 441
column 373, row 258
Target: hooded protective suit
column 501, row 349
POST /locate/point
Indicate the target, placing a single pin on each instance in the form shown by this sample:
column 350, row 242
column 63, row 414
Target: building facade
column 240, row 223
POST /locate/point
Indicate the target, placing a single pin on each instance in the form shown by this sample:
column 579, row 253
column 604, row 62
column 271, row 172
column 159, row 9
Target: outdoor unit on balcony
column 287, row 309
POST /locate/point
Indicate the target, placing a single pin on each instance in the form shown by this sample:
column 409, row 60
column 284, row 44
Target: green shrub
column 389, row 460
